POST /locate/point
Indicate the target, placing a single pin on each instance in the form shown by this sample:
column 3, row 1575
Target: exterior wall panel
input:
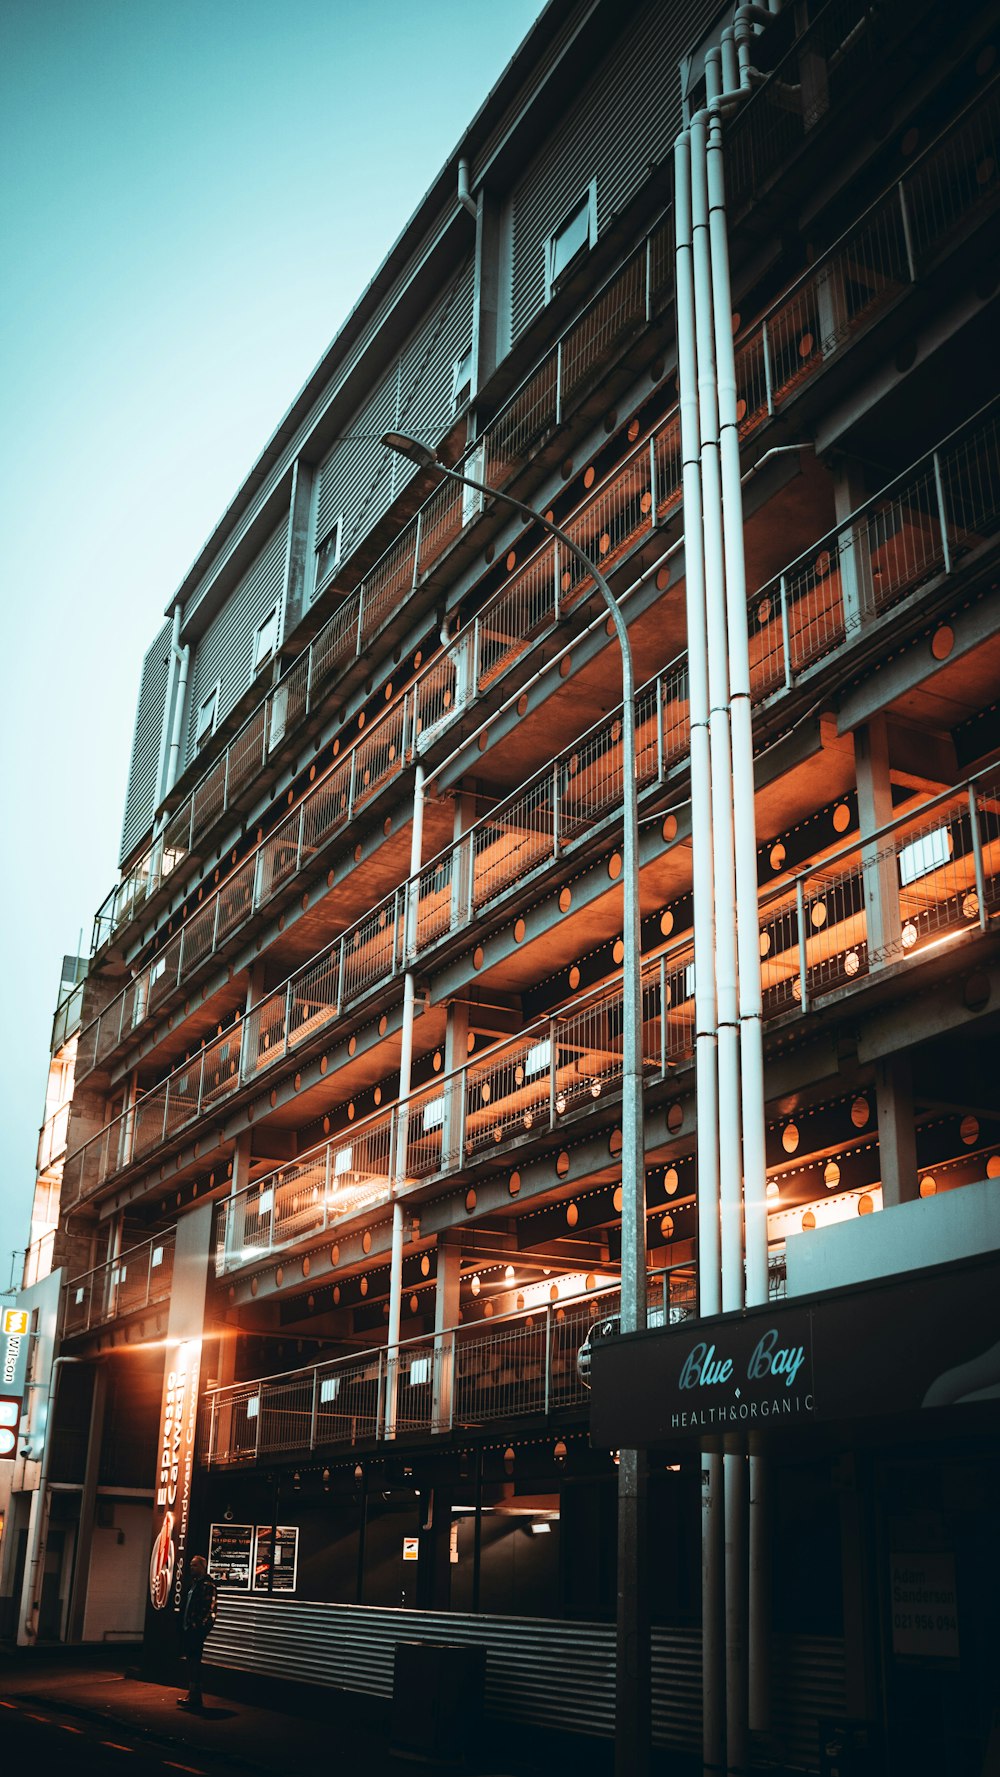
column 225, row 651
column 359, row 478
column 140, row 798
column 624, row 121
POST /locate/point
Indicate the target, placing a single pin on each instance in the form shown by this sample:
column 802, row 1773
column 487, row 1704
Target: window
column 343, row 1161
column 461, row 381
column 329, row 1388
column 921, row 856
column 328, row 553
column 576, row 234
column 208, row 710
column 266, row 638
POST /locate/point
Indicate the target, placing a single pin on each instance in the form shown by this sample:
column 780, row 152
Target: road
column 46, row 1738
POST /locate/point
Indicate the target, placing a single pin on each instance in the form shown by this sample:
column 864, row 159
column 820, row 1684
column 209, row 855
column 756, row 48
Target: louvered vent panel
column 426, row 383
column 347, row 473
column 225, row 651
column 365, row 470
column 140, row 798
column 625, row 119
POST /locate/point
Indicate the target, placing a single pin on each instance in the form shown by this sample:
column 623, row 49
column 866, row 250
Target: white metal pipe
column 402, row 1103
column 465, row 197
column 180, row 699
column 719, row 736
column 706, row 1064
column 741, row 726
column 730, row 61
column 173, row 662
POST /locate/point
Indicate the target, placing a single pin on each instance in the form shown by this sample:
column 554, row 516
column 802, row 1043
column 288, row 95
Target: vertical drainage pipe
column 706, row 1060
column 178, row 722
column 741, row 724
column 719, row 735
column 173, row 662
column 402, row 1105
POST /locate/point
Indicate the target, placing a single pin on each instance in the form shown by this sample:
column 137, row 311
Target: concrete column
column 446, row 1298
column 88, row 1506
column 881, row 871
column 175, row 1473
column 858, row 1566
column 632, row 1745
column 897, row 1139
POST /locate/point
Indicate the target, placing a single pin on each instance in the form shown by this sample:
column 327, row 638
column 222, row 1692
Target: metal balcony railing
column 953, row 184
column 927, row 880
column 959, row 890
column 52, row 1137
column 38, row 1259
column 135, row 1280
column 67, row 1017
column 924, row 524
column 817, row 74
column 636, row 293
column 532, row 1359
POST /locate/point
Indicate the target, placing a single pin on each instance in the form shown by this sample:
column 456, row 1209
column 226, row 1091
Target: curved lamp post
column 632, row 1668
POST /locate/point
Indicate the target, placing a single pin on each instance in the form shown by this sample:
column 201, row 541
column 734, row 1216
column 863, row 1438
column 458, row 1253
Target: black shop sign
column 924, row 1341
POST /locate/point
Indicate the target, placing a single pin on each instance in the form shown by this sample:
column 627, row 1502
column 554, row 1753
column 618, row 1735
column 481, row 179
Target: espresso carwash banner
column 174, row 1473
column 179, row 1531
column 894, row 1345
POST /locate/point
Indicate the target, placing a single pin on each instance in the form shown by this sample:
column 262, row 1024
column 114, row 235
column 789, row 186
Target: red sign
column 10, row 1418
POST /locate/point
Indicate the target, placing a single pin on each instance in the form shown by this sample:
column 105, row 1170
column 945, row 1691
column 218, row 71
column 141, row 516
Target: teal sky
column 193, row 195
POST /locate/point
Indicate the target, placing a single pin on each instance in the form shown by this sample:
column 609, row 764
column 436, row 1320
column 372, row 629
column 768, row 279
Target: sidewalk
column 244, row 1725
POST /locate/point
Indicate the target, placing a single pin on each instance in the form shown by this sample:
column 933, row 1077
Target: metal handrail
column 528, row 1361
column 102, row 1287
column 556, row 820
column 805, row 955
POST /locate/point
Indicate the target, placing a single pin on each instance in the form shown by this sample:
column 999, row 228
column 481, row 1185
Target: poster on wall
column 178, row 1423
column 230, row 1554
column 277, row 1550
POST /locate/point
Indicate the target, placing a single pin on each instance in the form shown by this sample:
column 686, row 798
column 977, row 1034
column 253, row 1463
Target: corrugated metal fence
column 540, row 1670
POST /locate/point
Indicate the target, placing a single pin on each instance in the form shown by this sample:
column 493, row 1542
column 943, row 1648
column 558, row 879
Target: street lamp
column 632, row 1683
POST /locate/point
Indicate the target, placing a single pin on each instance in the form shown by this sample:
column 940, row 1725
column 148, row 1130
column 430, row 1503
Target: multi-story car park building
column 343, row 1161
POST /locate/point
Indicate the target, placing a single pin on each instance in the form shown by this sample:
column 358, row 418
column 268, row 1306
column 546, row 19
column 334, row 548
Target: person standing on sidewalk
column 197, row 1622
